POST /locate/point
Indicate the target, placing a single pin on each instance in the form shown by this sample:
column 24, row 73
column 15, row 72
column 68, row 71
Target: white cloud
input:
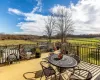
column 57, row 7
column 35, row 26
column 85, row 14
column 16, row 11
column 34, row 23
column 30, row 28
column 38, row 7
column 39, row 2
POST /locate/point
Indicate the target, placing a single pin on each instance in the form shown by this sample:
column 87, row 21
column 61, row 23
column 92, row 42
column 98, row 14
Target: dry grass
column 15, row 42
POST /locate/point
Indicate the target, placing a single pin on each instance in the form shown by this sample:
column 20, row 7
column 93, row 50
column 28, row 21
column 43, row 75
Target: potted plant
column 38, row 53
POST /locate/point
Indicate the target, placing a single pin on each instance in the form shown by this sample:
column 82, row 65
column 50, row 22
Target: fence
column 16, row 49
column 87, row 54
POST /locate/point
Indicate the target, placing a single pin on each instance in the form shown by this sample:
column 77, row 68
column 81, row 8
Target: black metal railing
column 90, row 54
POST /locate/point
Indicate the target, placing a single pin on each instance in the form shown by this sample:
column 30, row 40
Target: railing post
column 7, row 53
column 1, row 56
column 19, row 48
column 98, row 57
column 78, row 50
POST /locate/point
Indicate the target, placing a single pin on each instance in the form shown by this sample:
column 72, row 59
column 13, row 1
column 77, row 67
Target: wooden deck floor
column 15, row 71
column 94, row 69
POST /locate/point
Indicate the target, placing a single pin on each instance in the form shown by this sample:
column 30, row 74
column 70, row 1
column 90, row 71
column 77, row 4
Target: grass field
column 73, row 40
column 85, row 40
column 15, row 42
column 79, row 40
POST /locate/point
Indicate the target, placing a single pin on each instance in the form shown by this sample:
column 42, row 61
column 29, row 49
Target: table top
column 65, row 62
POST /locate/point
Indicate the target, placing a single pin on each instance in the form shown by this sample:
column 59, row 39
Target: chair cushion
column 49, row 71
column 12, row 57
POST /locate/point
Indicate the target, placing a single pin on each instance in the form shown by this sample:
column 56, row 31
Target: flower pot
column 60, row 56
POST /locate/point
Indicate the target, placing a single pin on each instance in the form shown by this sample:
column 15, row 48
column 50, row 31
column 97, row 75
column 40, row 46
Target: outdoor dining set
column 65, row 64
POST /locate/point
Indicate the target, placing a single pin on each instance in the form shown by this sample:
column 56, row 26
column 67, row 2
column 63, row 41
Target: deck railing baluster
column 86, row 52
column 16, row 49
column 98, row 56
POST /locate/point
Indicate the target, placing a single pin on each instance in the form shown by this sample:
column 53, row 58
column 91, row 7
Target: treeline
column 33, row 37
column 85, row 36
column 17, row 37
column 79, row 36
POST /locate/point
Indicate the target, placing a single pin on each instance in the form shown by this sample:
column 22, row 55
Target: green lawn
column 85, row 40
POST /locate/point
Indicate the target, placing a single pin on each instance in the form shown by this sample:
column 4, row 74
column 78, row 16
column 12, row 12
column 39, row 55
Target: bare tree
column 64, row 23
column 49, row 26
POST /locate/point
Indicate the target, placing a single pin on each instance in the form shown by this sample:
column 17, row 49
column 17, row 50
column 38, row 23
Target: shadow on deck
column 94, row 69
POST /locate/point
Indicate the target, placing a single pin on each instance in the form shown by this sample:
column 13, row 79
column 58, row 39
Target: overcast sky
column 27, row 16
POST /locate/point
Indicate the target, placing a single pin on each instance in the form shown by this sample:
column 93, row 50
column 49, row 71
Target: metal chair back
column 47, row 69
column 76, row 57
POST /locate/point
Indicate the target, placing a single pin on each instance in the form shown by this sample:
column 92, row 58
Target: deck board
column 16, row 71
column 94, row 69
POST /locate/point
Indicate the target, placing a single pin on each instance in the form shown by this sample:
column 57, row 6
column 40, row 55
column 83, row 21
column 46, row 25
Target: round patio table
column 65, row 62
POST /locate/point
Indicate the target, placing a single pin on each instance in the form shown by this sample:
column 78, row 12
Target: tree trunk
column 65, row 38
column 62, row 40
column 50, row 39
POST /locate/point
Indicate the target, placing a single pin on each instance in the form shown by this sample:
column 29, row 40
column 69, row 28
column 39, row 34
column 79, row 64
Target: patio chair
column 80, row 74
column 22, row 54
column 76, row 57
column 47, row 70
column 12, row 58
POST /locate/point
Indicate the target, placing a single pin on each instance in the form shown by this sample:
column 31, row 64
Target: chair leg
column 46, row 78
column 41, row 75
column 51, row 77
column 68, row 76
column 55, row 77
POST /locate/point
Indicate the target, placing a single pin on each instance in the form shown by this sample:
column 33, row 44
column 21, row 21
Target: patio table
column 65, row 62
